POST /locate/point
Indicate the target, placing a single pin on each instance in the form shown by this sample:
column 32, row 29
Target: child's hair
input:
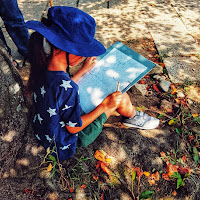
column 38, row 60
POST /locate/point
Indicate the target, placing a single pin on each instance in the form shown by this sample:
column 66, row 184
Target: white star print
column 65, row 147
column 62, row 124
column 39, row 118
column 66, row 107
column 35, row 117
column 71, row 124
column 42, row 91
column 66, row 84
column 37, row 136
column 35, row 96
column 48, row 138
column 52, row 111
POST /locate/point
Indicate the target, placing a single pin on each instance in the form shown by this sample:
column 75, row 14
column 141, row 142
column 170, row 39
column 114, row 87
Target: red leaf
column 71, row 190
column 148, row 87
column 83, row 186
column 95, row 177
column 105, row 169
column 98, row 164
column 138, row 171
column 102, row 197
column 155, row 88
column 165, row 176
column 184, row 158
column 142, row 82
column 183, row 170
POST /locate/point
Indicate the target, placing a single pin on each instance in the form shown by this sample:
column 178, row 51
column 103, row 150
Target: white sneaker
column 142, row 121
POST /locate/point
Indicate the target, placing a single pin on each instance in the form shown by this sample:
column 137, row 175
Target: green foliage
column 180, row 182
column 195, row 155
column 145, row 195
column 133, row 178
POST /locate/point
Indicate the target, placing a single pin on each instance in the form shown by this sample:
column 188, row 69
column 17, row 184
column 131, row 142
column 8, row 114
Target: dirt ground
column 82, row 178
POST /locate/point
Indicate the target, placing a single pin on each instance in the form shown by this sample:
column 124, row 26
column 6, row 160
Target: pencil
column 118, row 85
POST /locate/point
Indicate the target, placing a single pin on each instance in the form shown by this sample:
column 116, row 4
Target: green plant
column 180, row 181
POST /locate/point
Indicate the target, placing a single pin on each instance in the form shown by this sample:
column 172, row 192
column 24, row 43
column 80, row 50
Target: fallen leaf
column 184, row 158
column 171, row 169
column 146, row 173
column 142, row 82
column 105, row 168
column 174, row 193
column 83, row 186
column 162, row 154
column 49, row 168
column 183, row 102
column 153, row 178
column 147, row 88
column 172, row 121
column 162, row 64
column 195, row 115
column 102, row 197
column 155, row 88
column 102, row 156
column 95, row 177
column 138, row 171
column 174, row 91
column 165, row 176
column 172, row 86
column 183, row 170
column 177, row 100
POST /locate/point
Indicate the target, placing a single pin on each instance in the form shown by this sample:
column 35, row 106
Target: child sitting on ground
column 64, row 39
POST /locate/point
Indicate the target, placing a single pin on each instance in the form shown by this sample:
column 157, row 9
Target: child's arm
column 110, row 102
column 88, row 64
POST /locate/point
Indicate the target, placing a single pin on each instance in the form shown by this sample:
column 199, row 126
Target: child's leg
column 125, row 108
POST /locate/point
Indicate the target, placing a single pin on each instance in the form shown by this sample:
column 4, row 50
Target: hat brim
column 95, row 48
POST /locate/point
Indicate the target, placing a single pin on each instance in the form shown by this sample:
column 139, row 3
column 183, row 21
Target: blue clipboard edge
column 136, row 56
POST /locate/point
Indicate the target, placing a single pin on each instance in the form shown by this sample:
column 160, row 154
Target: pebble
column 166, row 106
column 142, row 88
column 156, row 70
column 158, row 77
column 180, row 95
column 190, row 102
column 164, row 85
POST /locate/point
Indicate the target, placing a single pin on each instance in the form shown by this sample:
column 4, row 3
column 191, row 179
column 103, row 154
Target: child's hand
column 112, row 100
column 88, row 64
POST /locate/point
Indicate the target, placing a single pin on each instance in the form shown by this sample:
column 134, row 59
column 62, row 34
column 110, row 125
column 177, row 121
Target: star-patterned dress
column 57, row 104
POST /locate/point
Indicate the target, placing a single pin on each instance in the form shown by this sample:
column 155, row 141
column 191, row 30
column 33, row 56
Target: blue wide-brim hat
column 70, row 30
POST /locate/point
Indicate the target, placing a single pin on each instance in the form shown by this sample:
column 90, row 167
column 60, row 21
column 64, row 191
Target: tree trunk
column 19, row 151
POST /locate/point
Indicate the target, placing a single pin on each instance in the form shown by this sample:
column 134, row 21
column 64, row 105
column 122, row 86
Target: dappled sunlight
column 113, row 67
column 193, row 93
column 1, row 112
column 8, row 137
column 36, row 150
column 174, row 27
column 13, row 172
column 14, row 88
column 23, row 162
column 152, row 133
column 5, row 69
column 157, row 161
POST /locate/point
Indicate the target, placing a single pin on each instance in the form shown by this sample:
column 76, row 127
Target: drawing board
column 119, row 63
